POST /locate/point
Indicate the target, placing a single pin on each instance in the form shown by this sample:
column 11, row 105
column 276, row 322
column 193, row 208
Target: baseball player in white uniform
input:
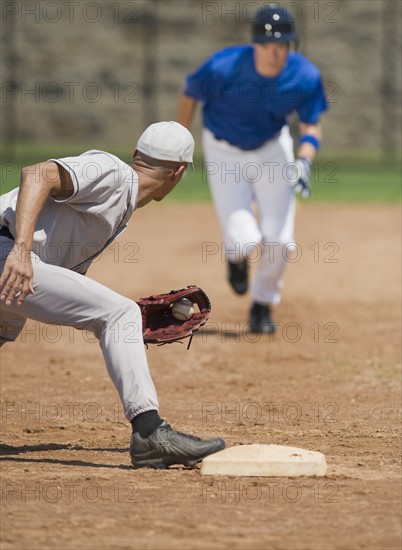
column 49, row 227
column 247, row 92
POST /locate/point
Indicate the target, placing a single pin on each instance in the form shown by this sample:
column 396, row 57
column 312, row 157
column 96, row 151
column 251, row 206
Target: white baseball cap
column 167, row 141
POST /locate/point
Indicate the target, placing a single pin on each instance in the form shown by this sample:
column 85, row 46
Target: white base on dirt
column 264, row 460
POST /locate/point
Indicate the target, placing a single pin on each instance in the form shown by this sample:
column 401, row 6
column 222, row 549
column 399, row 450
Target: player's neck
column 147, row 187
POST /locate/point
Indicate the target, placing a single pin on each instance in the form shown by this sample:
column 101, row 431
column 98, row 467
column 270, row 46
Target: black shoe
column 165, row 447
column 238, row 276
column 261, row 320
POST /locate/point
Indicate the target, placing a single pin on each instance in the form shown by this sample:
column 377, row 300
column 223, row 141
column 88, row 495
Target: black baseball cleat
column 165, row 447
column 238, row 276
column 261, row 320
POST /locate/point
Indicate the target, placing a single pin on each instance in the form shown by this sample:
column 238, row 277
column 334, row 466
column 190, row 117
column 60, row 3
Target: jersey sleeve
column 313, row 104
column 197, row 83
column 95, row 176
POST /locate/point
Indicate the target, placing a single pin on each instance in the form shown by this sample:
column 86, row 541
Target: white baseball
column 183, row 309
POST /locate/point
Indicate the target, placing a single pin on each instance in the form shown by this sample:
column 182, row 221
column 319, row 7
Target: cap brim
column 263, row 39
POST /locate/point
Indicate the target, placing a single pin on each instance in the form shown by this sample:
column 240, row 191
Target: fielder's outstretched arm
column 37, row 183
column 185, row 110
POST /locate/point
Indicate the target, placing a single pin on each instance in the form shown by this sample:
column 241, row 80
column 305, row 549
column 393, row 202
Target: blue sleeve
column 198, row 82
column 313, row 104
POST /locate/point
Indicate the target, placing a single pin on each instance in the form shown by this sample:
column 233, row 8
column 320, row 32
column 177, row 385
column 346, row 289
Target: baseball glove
column 158, row 324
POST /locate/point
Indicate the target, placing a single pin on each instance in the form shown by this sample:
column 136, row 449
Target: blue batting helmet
column 273, row 23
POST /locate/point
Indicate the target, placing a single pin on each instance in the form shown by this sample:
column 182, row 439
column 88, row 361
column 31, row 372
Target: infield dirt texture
column 328, row 381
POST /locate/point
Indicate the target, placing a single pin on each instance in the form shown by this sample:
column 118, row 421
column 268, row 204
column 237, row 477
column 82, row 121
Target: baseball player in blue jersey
column 71, row 205
column 247, row 93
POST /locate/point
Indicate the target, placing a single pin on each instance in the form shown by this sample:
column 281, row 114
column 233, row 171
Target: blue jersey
column 245, row 108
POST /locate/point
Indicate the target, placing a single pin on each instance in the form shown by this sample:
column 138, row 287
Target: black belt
column 246, row 148
column 238, row 146
column 5, row 232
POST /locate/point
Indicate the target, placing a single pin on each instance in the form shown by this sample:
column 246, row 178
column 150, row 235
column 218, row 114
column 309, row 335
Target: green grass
column 359, row 178
column 332, row 181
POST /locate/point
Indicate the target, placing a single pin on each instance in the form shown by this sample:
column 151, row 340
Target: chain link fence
column 98, row 72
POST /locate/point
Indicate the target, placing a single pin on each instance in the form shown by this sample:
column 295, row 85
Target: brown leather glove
column 158, row 324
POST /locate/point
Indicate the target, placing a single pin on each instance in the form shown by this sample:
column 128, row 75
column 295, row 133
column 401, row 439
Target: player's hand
column 302, row 177
column 16, row 280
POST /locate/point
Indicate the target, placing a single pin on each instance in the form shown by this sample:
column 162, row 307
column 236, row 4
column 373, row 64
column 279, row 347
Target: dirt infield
column 329, row 381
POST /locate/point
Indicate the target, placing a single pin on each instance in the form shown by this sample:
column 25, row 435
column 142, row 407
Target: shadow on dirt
column 7, row 452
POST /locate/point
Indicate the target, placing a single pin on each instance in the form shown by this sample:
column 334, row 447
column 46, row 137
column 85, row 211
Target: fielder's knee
column 125, row 323
column 125, row 311
column 117, row 316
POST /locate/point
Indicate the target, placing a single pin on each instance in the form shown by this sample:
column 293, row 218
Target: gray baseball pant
column 63, row 297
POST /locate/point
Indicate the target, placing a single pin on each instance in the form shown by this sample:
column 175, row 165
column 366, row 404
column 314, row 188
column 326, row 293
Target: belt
column 245, row 148
column 237, row 146
column 274, row 136
column 5, row 232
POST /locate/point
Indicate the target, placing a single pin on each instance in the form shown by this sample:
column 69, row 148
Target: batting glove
column 302, row 185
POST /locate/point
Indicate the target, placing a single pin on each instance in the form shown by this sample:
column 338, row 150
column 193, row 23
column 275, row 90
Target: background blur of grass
column 342, row 178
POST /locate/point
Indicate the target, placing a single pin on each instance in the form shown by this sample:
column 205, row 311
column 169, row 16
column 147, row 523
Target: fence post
column 390, row 71
column 9, row 76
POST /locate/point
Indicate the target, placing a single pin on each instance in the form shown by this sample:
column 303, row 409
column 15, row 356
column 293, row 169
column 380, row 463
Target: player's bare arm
column 307, row 149
column 185, row 110
column 38, row 182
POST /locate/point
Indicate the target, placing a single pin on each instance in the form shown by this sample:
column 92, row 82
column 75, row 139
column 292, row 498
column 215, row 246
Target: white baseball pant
column 63, row 297
column 241, row 179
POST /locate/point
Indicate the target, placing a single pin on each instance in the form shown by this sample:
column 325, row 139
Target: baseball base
column 265, row 460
